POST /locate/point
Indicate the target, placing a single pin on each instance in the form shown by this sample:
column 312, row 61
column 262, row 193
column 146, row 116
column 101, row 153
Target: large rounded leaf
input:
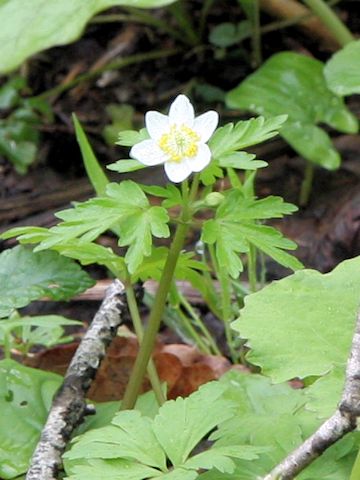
column 30, row 26
column 25, row 398
column 342, row 71
column 293, row 84
column 302, row 325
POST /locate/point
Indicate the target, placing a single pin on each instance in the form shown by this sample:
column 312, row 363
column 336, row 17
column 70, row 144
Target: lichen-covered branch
column 69, row 406
column 339, row 424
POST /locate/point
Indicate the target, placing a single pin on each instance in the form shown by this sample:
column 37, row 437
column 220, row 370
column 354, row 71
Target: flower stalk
column 147, row 345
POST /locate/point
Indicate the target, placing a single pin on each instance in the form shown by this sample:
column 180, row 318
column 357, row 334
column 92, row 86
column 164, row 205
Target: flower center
column 180, row 142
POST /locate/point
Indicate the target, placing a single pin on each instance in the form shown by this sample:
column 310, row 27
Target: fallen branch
column 339, row 424
column 69, row 406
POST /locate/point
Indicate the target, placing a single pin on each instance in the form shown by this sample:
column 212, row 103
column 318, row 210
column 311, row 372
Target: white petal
column 148, row 153
column 181, row 111
column 201, row 160
column 156, row 124
column 205, row 125
column 177, row 171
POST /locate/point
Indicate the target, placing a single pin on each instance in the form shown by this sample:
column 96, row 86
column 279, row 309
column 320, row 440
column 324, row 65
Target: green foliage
column 26, row 276
column 25, row 397
column 19, row 135
column 126, row 166
column 275, row 416
column 230, row 138
column 228, row 34
column 41, row 24
column 136, row 447
column 243, row 134
column 25, row 332
column 233, row 230
column 293, row 84
column 93, row 169
column 342, row 71
column 85, row 252
column 128, row 138
column 302, row 325
column 125, row 208
column 121, row 119
column 187, row 268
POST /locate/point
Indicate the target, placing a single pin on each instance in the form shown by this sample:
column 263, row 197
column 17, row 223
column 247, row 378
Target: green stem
column 7, row 345
column 198, row 322
column 192, row 331
column 233, row 177
column 147, row 345
column 115, row 65
column 252, row 268
column 151, row 369
column 306, row 186
column 225, row 302
column 331, row 20
column 355, row 472
column 180, row 13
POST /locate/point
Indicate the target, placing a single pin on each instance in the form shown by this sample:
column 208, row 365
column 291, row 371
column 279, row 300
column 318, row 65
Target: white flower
column 177, row 140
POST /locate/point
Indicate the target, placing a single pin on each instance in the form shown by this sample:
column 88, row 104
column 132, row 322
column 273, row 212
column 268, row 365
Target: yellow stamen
column 180, row 142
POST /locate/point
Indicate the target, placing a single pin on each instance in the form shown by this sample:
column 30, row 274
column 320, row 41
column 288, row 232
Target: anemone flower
column 177, row 140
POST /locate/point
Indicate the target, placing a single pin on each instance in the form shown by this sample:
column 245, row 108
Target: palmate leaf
column 129, row 436
column 293, row 84
column 25, row 397
column 259, row 406
column 136, row 447
column 122, row 469
column 275, row 416
column 187, row 268
column 244, row 134
column 302, row 325
column 342, row 71
column 33, row 26
column 232, row 231
column 26, row 276
column 126, row 208
column 191, row 419
column 86, row 253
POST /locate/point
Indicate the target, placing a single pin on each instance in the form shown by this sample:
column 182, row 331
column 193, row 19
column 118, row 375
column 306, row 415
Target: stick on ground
column 69, row 407
column 339, row 424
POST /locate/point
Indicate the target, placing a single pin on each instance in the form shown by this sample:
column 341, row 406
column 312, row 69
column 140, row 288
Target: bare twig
column 69, row 406
column 339, row 424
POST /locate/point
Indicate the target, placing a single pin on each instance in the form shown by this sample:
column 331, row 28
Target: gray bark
column 69, row 406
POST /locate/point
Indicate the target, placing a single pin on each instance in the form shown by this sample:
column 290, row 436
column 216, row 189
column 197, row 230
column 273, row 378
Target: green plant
column 134, row 446
column 293, row 84
column 22, row 333
column 234, row 231
column 26, row 276
column 341, row 72
column 19, row 134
